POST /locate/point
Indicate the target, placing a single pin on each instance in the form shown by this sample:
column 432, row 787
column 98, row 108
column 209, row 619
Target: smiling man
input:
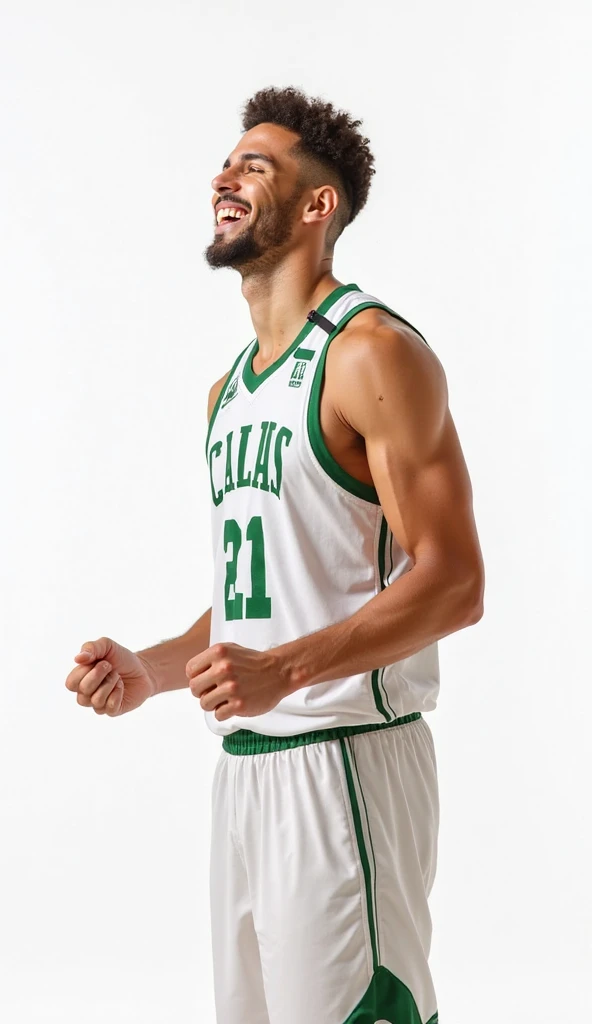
column 344, row 549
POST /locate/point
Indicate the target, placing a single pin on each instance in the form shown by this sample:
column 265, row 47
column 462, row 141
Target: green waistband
column 244, row 741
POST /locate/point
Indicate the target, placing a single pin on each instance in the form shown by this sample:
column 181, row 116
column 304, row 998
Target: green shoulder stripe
column 222, row 393
column 322, row 453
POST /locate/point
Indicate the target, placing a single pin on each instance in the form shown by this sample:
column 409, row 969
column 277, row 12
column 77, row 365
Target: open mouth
column 229, row 217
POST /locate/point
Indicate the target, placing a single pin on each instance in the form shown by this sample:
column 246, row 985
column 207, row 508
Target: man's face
column 260, row 180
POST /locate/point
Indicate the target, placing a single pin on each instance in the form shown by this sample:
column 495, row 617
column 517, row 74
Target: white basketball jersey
column 299, row 544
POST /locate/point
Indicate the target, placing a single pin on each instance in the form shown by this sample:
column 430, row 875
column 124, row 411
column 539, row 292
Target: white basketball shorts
column 323, row 855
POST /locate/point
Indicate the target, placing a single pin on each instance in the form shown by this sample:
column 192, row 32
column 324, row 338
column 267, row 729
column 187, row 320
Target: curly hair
column 329, row 146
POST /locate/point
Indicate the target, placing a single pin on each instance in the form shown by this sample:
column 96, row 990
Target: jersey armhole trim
column 349, row 483
column 222, row 393
column 322, row 453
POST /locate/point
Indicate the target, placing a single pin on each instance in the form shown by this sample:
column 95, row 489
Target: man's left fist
column 234, row 680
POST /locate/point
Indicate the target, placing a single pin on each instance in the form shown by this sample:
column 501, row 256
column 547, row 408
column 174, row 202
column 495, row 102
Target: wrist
column 150, row 673
column 292, row 675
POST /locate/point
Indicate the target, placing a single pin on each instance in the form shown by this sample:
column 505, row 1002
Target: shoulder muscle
column 386, row 379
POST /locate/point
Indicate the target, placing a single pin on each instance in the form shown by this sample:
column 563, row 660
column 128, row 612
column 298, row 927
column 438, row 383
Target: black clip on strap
column 321, row 321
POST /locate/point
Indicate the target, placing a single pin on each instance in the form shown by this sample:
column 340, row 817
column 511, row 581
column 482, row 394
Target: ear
column 322, row 205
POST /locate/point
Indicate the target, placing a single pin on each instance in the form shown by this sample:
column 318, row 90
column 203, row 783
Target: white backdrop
column 114, row 118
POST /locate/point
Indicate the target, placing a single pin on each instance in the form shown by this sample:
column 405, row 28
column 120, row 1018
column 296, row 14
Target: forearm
column 166, row 661
column 411, row 613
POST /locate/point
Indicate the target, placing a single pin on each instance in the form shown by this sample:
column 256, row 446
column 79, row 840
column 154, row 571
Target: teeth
column 230, row 212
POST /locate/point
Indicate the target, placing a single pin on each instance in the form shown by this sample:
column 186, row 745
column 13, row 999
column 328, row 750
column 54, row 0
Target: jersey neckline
column 253, row 380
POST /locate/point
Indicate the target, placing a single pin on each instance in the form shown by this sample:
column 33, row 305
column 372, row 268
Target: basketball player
column 345, row 548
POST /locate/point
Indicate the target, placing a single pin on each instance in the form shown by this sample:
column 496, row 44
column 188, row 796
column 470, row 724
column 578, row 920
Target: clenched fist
column 233, row 680
column 110, row 678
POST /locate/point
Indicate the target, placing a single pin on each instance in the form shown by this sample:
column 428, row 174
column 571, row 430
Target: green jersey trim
column 222, row 393
column 253, row 380
column 245, row 741
column 349, row 483
column 322, row 453
column 378, row 687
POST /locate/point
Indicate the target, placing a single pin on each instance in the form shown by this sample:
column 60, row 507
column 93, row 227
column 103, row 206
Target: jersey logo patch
column 297, row 374
column 231, row 393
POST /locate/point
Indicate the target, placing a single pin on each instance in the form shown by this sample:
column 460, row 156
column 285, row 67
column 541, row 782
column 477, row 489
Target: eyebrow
column 252, row 156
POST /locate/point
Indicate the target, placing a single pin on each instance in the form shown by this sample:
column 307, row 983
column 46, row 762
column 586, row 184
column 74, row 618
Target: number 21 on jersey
column 258, row 604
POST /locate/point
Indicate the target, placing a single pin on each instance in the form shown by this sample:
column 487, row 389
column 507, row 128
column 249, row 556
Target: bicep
column 425, row 492
column 396, row 397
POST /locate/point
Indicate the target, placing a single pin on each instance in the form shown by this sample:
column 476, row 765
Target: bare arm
column 392, row 391
column 165, row 662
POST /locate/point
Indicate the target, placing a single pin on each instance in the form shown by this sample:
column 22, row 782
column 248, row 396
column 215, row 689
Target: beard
column 255, row 246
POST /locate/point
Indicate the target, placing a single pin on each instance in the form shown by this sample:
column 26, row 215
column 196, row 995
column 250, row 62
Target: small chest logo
column 231, row 393
column 298, row 373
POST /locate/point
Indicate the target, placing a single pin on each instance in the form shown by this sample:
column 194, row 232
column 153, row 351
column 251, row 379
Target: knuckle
column 232, row 687
column 220, row 650
column 224, row 666
column 86, row 685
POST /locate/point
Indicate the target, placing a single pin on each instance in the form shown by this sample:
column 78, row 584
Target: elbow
column 475, row 613
column 474, row 587
column 459, row 593
column 463, row 601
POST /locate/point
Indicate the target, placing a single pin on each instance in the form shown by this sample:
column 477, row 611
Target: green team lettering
column 229, row 482
column 262, row 463
column 243, row 468
column 242, row 480
column 215, row 451
column 258, row 605
column 282, row 433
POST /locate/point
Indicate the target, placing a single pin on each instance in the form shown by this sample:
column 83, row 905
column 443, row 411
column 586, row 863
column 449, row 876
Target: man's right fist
column 109, row 678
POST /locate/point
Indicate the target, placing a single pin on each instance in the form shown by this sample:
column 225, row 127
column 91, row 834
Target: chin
column 234, row 253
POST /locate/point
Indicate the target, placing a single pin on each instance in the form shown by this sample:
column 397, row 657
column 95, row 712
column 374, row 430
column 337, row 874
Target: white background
column 115, row 116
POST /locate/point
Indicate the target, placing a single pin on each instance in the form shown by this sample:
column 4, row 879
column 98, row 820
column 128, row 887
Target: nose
column 226, row 181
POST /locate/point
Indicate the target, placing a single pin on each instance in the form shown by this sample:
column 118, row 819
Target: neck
column 279, row 300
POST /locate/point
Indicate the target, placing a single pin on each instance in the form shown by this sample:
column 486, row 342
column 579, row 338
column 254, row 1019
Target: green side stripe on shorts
column 355, row 764
column 362, row 851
